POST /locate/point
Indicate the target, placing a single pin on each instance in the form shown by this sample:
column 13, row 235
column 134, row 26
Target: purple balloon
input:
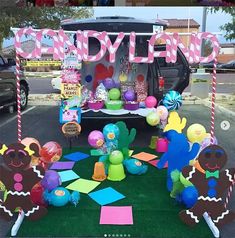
column 129, row 95
column 109, row 83
column 51, row 180
column 96, row 139
column 207, row 141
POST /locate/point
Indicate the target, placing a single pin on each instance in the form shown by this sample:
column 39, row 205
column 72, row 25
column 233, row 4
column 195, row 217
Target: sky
column 169, row 12
column 163, row 13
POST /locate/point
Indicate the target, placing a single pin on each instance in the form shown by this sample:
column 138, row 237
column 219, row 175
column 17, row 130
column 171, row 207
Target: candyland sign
column 81, row 51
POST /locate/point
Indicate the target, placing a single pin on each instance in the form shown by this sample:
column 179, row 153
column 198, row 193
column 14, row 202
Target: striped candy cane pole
column 213, row 102
column 18, row 97
column 230, row 191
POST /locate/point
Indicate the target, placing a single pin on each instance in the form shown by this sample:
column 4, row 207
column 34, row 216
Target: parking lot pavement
column 42, row 123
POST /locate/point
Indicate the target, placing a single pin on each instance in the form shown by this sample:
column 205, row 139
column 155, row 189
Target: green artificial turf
column 155, row 214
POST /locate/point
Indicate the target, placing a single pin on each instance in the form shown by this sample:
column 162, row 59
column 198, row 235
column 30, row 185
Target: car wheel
column 23, row 97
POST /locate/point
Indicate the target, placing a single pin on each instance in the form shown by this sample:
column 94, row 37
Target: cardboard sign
column 43, row 63
column 68, row 115
column 71, row 129
column 70, row 76
column 69, row 90
column 71, row 62
column 72, row 102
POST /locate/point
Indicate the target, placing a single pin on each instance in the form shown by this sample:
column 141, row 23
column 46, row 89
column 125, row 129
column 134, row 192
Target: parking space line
column 15, row 117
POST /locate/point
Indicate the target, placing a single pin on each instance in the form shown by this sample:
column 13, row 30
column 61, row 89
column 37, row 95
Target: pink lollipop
column 96, row 139
column 162, row 112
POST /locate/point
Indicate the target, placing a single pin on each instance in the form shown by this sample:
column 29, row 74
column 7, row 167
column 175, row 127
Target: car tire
column 23, row 96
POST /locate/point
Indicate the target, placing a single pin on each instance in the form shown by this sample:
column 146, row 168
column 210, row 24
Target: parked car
column 209, row 66
column 229, row 65
column 8, row 90
column 176, row 75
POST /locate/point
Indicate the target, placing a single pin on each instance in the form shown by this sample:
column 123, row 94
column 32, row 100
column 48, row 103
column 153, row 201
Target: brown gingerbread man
column 19, row 178
column 211, row 183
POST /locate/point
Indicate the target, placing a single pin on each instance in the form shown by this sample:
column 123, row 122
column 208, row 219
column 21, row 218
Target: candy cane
column 18, row 97
column 213, row 102
column 230, row 191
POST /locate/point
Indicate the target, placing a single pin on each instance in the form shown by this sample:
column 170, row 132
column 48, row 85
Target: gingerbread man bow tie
column 212, row 174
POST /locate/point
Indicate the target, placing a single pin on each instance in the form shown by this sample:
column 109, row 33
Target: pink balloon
column 96, row 139
column 162, row 112
column 150, row 102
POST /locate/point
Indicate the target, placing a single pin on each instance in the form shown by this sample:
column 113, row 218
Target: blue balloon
column 172, row 100
column 111, row 132
column 88, row 78
column 189, row 196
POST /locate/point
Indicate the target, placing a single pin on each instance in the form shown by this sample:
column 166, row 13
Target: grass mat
column 155, row 214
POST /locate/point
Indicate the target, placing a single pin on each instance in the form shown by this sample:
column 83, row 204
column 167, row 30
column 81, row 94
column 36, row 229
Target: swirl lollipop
column 172, row 100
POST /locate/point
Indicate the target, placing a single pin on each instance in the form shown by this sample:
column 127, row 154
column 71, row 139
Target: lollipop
column 51, row 152
column 196, row 133
column 172, row 100
column 96, row 139
column 162, row 112
column 207, row 141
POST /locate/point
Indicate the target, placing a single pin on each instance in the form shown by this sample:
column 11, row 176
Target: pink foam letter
column 36, row 52
column 112, row 48
column 101, row 38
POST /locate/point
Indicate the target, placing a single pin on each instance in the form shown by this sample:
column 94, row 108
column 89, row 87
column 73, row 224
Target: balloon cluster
column 48, row 190
column 160, row 114
column 171, row 101
column 107, row 140
column 49, row 152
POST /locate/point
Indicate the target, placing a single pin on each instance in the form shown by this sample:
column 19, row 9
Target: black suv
column 8, row 85
column 176, row 75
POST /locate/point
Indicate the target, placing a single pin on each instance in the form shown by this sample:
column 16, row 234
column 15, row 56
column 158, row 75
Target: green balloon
column 153, row 119
column 114, row 94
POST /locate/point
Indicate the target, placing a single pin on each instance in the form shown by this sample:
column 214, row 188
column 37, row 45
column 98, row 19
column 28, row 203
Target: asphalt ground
column 42, row 123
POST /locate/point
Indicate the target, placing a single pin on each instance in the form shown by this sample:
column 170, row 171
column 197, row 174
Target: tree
column 229, row 27
column 38, row 17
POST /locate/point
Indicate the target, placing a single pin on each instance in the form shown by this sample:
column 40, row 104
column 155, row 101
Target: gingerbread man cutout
column 19, row 178
column 211, row 183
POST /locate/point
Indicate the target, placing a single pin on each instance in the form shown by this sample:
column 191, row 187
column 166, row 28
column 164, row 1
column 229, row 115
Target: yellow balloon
column 123, row 78
column 153, row 119
column 196, row 133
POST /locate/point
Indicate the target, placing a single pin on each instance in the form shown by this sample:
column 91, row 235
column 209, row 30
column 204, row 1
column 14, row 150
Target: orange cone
column 99, row 172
